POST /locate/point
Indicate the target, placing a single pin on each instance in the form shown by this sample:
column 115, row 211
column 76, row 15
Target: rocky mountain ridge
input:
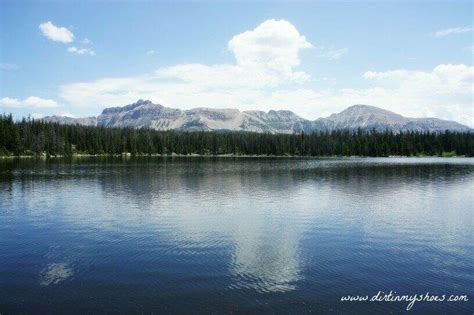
column 145, row 114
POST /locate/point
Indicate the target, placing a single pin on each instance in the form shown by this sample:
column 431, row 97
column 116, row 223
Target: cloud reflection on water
column 54, row 273
column 257, row 213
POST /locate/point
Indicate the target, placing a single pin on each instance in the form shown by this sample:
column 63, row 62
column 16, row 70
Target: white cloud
column 452, row 31
column 56, row 33
column 81, row 51
column 63, row 35
column 10, row 102
column 30, row 102
column 150, row 52
column 219, row 76
column 273, row 46
column 444, row 92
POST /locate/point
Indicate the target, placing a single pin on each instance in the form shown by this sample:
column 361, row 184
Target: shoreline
column 129, row 156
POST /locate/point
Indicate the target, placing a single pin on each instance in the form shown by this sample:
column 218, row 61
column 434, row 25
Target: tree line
column 36, row 137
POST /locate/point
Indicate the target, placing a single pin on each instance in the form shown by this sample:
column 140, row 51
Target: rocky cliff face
column 145, row 114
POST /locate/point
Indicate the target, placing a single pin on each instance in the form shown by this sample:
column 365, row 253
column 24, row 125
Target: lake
column 235, row 235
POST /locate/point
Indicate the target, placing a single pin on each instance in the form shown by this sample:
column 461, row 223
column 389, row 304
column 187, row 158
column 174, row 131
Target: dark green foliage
column 34, row 137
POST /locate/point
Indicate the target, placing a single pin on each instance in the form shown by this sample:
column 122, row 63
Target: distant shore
column 129, row 155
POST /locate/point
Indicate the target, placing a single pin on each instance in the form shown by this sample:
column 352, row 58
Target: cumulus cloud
column 56, row 33
column 452, row 31
column 445, row 92
column 265, row 76
column 220, row 76
column 81, row 51
column 274, row 45
column 63, row 35
column 29, row 102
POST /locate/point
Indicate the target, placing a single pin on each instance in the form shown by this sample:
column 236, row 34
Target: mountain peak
column 141, row 102
column 368, row 117
column 362, row 108
column 129, row 107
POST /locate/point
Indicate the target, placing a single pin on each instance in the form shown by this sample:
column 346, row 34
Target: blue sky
column 315, row 58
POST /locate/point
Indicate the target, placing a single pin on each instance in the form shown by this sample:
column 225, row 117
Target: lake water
column 235, row 235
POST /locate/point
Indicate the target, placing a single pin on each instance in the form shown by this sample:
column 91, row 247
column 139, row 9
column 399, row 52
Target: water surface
column 234, row 234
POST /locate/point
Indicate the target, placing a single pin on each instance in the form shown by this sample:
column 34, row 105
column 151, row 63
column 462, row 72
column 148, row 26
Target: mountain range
column 145, row 114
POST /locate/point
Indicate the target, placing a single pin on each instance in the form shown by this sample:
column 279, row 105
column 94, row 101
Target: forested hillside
column 36, row 137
